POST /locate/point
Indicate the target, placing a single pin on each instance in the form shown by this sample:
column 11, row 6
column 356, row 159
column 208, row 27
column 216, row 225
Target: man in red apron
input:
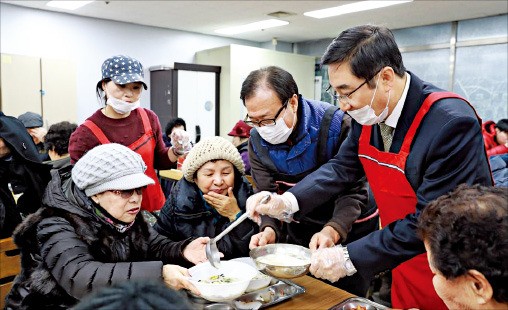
column 413, row 141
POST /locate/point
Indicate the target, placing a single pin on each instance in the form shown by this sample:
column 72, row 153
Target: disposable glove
column 180, row 140
column 277, row 207
column 328, row 263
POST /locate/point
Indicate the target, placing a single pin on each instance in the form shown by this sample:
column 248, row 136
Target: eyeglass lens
column 127, row 193
column 270, row 121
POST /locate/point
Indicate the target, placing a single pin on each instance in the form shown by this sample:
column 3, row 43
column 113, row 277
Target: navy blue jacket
column 185, row 214
column 295, row 160
column 446, row 151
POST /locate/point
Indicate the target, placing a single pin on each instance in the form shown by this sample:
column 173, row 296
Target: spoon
column 212, row 252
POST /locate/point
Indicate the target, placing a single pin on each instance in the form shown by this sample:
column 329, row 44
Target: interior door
column 197, row 102
column 59, row 100
column 20, row 84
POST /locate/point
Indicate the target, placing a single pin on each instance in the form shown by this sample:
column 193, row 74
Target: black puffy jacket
column 67, row 252
column 184, row 215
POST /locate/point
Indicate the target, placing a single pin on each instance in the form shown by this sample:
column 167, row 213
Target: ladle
column 212, row 252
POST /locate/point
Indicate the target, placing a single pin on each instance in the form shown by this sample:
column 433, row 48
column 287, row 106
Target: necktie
column 386, row 134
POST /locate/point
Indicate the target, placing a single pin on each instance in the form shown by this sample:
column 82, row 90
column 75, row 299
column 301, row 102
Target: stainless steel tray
column 357, row 303
column 270, row 295
column 273, row 294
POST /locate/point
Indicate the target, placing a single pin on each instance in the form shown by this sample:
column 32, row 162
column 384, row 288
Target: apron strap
column 148, row 132
column 144, row 118
column 426, row 105
column 99, row 134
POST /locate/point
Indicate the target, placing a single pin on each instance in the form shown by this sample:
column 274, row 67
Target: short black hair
column 468, row 229
column 174, row 123
column 275, row 78
column 57, row 138
column 133, row 295
column 368, row 49
column 502, row 125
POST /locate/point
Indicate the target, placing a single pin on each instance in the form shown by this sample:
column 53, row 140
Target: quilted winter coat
column 67, row 252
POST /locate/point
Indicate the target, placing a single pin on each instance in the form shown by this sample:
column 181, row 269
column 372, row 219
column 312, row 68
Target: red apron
column 153, row 197
column 412, row 280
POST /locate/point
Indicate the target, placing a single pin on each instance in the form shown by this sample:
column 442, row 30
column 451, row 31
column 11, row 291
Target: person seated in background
column 57, row 143
column 34, row 125
column 175, row 123
column 241, row 134
column 495, row 137
column 171, row 133
column 9, row 216
column 135, row 295
column 209, row 198
column 21, row 173
column 465, row 234
column 90, row 234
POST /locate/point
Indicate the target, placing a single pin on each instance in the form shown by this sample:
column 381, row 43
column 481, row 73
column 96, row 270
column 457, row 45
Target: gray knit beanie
column 208, row 149
column 110, row 167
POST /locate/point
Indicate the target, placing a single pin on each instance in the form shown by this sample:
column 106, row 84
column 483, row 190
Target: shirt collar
column 393, row 118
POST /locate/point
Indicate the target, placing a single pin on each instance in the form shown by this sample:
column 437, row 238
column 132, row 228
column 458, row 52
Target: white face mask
column 120, row 106
column 278, row 133
column 366, row 115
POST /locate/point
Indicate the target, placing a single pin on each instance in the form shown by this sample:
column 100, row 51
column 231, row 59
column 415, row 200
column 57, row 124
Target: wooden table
column 171, row 174
column 318, row 295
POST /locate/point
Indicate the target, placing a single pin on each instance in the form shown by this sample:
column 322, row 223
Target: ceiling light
column 264, row 24
column 68, row 5
column 352, row 7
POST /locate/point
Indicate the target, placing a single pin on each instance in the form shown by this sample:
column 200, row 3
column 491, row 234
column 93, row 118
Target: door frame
column 201, row 68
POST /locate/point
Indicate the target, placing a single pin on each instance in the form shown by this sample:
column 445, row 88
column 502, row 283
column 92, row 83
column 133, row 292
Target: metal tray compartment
column 358, row 303
column 270, row 295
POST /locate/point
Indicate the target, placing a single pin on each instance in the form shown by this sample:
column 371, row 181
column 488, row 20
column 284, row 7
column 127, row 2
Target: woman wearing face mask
column 293, row 137
column 209, row 198
column 122, row 121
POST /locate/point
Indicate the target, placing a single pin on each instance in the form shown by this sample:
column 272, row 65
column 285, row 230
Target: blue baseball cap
column 122, row 70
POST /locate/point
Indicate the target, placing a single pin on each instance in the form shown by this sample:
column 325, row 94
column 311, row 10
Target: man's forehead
column 340, row 75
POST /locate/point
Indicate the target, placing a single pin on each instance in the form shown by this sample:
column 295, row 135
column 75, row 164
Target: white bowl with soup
column 225, row 283
column 261, row 280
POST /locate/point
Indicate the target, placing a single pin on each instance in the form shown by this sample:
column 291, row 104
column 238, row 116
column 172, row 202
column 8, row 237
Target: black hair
column 275, row 78
column 502, row 125
column 468, row 229
column 132, row 295
column 57, row 138
column 368, row 49
column 174, row 123
column 101, row 94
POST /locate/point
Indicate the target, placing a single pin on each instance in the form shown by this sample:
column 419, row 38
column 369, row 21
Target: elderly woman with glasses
column 90, row 234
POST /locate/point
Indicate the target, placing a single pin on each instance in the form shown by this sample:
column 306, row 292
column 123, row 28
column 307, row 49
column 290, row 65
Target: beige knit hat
column 211, row 148
column 109, row 167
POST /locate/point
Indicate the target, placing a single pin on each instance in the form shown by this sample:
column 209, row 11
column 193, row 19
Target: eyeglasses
column 265, row 122
column 127, row 193
column 343, row 98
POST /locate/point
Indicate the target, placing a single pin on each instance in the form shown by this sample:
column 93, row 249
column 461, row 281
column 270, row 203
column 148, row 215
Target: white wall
column 88, row 42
